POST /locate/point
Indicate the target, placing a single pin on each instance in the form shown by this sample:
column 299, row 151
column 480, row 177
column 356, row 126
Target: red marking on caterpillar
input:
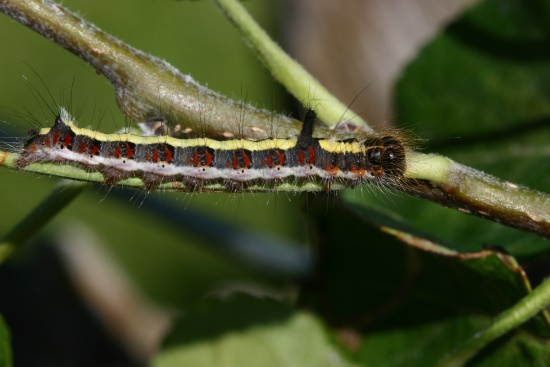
column 67, row 140
column 117, row 152
column 168, row 153
column 129, row 151
column 311, row 159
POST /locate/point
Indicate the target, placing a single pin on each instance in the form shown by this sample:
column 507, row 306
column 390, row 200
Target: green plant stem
column 72, row 172
column 286, row 70
column 6, row 359
column 146, row 87
column 526, row 308
column 63, row 194
column 463, row 188
column 430, row 176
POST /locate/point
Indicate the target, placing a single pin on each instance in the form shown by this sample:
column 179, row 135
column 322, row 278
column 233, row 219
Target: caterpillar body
column 198, row 164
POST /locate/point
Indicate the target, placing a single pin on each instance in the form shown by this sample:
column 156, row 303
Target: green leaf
column 398, row 298
column 243, row 331
column 479, row 92
column 484, row 74
column 5, row 345
column 519, row 350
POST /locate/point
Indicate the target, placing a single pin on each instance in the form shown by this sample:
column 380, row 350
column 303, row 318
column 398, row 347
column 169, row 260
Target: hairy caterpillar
column 201, row 164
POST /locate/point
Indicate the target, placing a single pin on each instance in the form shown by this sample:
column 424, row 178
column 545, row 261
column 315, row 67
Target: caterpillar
column 201, row 164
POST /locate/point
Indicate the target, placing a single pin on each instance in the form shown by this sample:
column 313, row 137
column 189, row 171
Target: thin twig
column 291, row 74
column 58, row 199
column 525, row 309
